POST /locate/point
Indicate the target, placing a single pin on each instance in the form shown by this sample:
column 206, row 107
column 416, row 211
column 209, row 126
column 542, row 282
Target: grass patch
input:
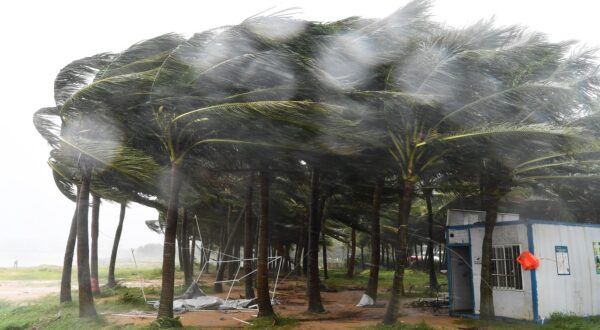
column 556, row 322
column 49, row 273
column 416, row 282
column 400, row 326
column 47, row 314
column 272, row 322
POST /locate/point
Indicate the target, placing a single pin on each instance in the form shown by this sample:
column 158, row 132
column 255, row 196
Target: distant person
column 16, row 264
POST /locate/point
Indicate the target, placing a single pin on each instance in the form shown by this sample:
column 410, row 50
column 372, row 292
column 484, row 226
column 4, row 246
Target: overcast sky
column 40, row 37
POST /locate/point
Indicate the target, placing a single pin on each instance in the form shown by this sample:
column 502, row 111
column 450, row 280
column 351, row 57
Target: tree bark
column 248, row 239
column 113, row 255
column 325, row 275
column 262, row 273
column 401, row 247
column 95, row 229
column 433, row 284
column 168, row 268
column 222, row 267
column 185, row 239
column 352, row 260
column 486, row 308
column 86, row 300
column 314, row 223
column 65, row 283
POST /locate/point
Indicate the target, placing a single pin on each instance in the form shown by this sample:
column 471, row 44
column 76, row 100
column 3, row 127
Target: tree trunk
column 185, row 240
column 234, row 266
column 248, row 239
column 94, row 233
column 168, row 268
column 325, row 275
column 262, row 273
column 487, row 300
column 433, row 284
column 314, row 293
column 178, row 239
column 65, row 283
column 227, row 249
column 193, row 251
column 352, row 262
column 401, row 247
column 113, row 256
column 86, row 300
column 223, row 251
column 362, row 257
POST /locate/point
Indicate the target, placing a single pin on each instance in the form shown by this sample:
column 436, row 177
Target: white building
column 567, row 280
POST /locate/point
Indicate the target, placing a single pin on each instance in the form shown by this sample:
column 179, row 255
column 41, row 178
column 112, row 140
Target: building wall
column 579, row 292
column 515, row 304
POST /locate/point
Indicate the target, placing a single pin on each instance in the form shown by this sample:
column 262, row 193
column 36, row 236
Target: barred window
column 506, row 273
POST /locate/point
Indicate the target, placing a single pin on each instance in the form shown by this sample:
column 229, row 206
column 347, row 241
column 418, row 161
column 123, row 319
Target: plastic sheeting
column 365, row 300
column 207, row 303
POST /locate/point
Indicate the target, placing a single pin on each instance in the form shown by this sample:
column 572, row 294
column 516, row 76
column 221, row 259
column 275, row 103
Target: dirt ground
column 341, row 312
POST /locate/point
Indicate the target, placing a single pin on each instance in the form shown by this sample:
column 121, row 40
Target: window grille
column 506, row 273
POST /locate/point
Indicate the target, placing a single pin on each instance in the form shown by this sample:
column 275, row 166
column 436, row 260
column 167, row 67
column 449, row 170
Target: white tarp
column 207, row 303
column 365, row 300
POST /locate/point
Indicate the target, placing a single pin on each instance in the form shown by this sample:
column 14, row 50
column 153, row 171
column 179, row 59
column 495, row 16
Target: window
column 506, row 273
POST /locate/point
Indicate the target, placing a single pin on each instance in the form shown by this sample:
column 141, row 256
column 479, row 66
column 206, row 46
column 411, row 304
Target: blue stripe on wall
column 534, row 289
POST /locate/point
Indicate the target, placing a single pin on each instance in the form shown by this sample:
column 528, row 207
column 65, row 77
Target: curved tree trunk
column 391, row 314
column 248, row 241
column 65, row 282
column 113, row 255
column 433, row 284
column 372, row 286
column 314, row 227
column 168, row 268
column 94, row 258
column 262, row 272
column 86, row 300
column 352, row 259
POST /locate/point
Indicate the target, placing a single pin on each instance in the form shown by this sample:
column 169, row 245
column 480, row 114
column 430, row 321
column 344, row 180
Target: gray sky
column 40, row 37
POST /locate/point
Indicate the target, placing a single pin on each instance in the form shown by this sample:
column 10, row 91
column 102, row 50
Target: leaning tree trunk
column 401, row 247
column 372, row 285
column 433, row 284
column 113, row 255
column 352, row 260
column 95, row 229
column 65, row 282
column 314, row 293
column 86, row 299
column 168, row 268
column 262, row 272
column 248, row 241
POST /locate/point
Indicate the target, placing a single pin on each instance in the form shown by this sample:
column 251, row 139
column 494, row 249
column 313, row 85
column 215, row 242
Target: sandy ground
column 20, row 291
column 341, row 312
